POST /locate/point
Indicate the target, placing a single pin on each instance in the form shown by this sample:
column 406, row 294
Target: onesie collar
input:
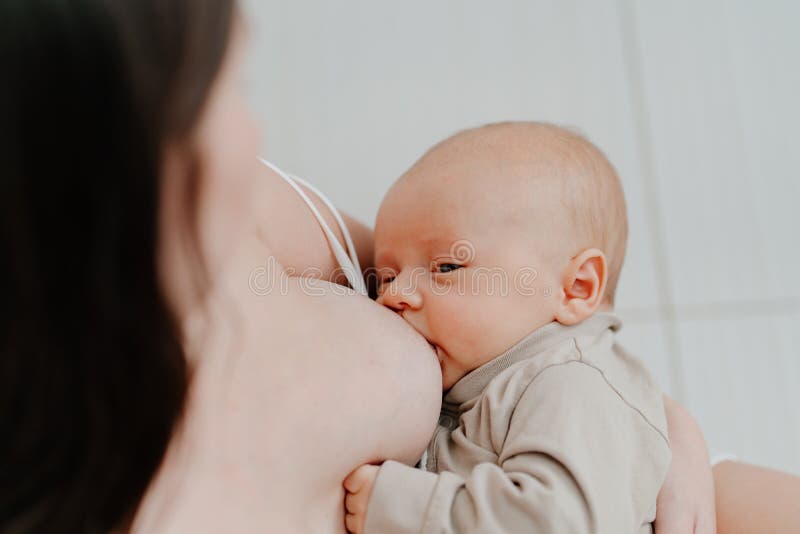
column 534, row 343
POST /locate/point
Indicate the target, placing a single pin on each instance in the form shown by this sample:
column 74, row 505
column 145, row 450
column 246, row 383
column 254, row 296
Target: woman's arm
column 755, row 500
column 686, row 501
column 747, row 498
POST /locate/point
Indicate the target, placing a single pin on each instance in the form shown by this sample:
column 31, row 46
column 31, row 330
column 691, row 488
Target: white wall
column 695, row 102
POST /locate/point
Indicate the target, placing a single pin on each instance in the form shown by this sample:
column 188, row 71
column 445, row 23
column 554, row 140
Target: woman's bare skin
column 752, row 499
column 291, row 391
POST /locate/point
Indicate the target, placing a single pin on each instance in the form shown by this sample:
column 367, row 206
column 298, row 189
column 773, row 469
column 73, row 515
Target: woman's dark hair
column 92, row 372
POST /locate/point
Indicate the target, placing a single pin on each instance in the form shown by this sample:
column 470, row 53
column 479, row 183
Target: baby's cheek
column 462, row 322
column 502, row 324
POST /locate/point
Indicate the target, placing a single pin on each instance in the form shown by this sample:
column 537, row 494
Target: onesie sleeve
column 577, row 457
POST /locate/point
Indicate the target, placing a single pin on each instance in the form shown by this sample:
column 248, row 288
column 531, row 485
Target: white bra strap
column 351, row 249
column 348, row 261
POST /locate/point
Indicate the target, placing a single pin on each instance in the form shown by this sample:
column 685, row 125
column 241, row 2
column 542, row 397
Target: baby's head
column 496, row 232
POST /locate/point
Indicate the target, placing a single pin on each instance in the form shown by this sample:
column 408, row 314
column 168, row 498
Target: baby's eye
column 386, row 280
column 448, row 267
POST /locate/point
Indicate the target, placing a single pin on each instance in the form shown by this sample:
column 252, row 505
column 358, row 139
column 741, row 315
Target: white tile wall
column 647, row 340
column 694, row 102
column 722, row 94
column 766, row 79
column 742, row 377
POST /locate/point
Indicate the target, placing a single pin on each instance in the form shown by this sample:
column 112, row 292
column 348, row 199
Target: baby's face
column 458, row 264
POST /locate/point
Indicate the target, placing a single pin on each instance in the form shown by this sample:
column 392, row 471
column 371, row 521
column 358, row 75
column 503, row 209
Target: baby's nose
column 400, row 295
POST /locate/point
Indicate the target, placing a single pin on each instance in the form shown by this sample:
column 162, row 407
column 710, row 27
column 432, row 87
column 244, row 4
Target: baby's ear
column 583, row 286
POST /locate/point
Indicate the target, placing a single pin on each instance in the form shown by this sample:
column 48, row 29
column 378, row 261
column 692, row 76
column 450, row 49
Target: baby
column 503, row 246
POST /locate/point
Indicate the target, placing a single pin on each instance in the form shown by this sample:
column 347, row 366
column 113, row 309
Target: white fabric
column 347, row 260
column 722, row 457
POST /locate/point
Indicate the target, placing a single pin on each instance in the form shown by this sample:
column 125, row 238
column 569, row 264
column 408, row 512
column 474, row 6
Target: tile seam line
column 632, row 54
column 770, row 307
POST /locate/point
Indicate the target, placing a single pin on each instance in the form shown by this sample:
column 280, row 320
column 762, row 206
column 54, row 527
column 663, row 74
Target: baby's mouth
column 438, row 355
column 435, row 349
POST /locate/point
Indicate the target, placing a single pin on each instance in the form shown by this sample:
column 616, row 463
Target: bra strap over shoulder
column 347, row 260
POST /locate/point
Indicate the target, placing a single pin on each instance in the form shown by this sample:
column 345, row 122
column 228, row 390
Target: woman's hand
column 358, row 487
column 686, row 501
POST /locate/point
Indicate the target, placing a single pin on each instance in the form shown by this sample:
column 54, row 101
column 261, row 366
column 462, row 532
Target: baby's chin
column 452, row 370
column 450, row 376
column 449, row 379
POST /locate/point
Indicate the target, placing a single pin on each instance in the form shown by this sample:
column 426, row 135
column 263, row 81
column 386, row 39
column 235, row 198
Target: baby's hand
column 358, row 487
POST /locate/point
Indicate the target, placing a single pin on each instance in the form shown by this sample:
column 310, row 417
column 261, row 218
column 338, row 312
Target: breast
column 351, row 383
column 311, row 384
column 381, row 380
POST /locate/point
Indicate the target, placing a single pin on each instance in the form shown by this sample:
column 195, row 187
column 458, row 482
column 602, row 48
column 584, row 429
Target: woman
column 147, row 385
column 129, row 161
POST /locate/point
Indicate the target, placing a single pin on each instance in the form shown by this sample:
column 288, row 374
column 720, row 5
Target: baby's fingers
column 359, row 478
column 353, row 482
column 355, row 503
column 354, row 523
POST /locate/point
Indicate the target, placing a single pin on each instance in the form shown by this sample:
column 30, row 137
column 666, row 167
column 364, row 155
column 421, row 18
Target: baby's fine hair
column 592, row 198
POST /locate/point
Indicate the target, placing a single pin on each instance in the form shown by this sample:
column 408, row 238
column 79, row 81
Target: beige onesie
column 565, row 432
